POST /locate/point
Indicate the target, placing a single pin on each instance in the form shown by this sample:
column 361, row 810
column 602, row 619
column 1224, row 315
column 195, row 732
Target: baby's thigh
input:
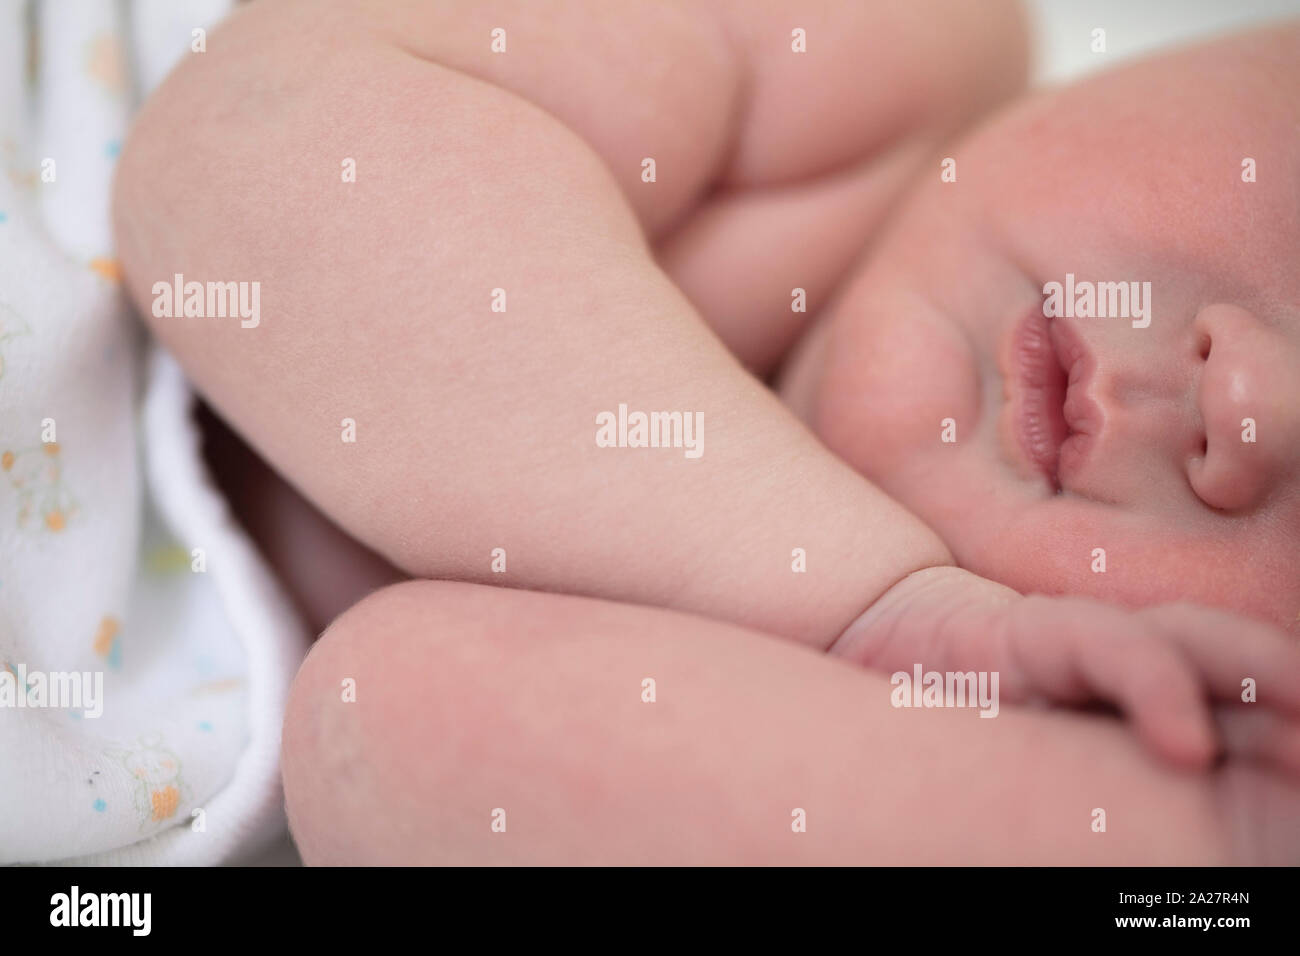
column 439, row 722
column 447, row 723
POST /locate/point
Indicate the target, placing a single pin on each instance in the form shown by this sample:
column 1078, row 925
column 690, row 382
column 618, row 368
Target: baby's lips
column 1082, row 414
column 1039, row 395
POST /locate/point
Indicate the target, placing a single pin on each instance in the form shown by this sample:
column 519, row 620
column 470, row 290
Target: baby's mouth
column 1042, row 380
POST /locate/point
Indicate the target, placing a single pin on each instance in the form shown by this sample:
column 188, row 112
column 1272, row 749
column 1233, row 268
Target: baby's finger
column 1261, row 735
column 1107, row 654
column 1156, row 688
column 1229, row 650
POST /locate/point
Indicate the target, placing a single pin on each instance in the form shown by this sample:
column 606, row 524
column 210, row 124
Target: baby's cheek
column 1065, row 545
column 897, row 386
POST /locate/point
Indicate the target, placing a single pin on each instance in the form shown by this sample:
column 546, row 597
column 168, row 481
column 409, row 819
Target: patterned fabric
column 145, row 651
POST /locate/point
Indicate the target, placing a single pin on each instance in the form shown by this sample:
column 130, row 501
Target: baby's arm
column 476, row 429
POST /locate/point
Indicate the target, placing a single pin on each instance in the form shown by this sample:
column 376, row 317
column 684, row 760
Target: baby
column 484, row 232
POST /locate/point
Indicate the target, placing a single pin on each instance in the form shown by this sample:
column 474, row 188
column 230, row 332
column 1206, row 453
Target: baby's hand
column 1170, row 668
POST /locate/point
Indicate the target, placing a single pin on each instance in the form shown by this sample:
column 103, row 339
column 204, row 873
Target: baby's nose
column 1249, row 400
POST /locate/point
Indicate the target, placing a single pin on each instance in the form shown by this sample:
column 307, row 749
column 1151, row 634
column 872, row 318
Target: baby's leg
column 829, row 140
column 470, row 699
column 476, row 429
column 324, row 570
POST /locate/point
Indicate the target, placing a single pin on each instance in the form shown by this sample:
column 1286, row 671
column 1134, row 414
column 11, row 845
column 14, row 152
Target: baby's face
column 1167, row 454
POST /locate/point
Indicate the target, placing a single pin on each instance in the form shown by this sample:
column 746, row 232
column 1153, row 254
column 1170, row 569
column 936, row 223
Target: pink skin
column 1167, row 668
column 768, row 482
column 1134, row 175
column 865, row 543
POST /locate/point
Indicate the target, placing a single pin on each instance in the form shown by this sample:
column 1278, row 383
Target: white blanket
column 145, row 650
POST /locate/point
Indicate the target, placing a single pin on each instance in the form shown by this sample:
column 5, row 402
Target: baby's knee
column 377, row 712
